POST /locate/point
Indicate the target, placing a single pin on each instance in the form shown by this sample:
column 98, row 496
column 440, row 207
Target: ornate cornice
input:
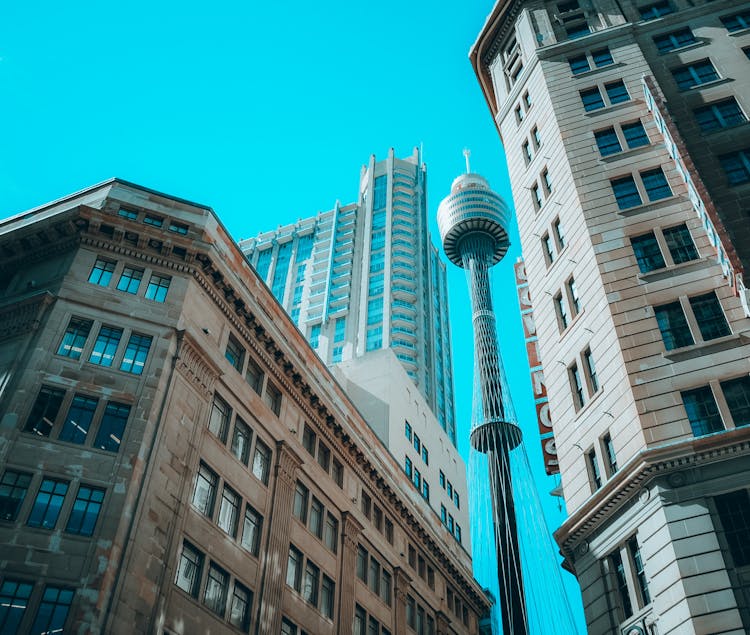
column 198, row 369
column 287, row 464
column 351, row 529
column 25, row 315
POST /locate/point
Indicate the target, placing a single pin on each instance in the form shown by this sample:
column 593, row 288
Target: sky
column 265, row 112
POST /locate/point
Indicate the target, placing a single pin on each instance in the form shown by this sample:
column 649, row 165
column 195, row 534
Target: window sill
column 687, row 47
column 675, row 270
column 570, row 326
column 648, row 207
column 739, row 32
column 714, row 82
column 597, row 70
column 611, row 108
column 706, row 348
column 587, row 406
column 625, row 154
column 558, row 257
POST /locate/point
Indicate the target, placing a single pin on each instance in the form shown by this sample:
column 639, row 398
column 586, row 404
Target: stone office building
column 625, row 125
column 174, row 458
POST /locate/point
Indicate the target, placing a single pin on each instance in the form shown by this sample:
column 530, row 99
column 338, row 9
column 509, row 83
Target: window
column 127, row 213
column 625, row 604
column 577, row 29
column 417, row 479
column 720, row 114
column 450, row 490
column 239, row 611
column 373, row 576
column 638, row 570
column 218, row 421
column 592, row 99
column 339, row 330
column 48, row 502
column 425, row 490
column 337, row 473
column 229, row 511
column 299, row 505
column 44, row 412
column 702, row 411
column 14, row 598
column 579, row 64
column 136, row 353
column 112, row 427
column 53, row 610
column 204, row 493
column 626, row 192
column 590, row 370
column 287, row 628
column 309, row 440
column 547, row 182
column 262, row 461
column 417, row 443
column 102, row 272
column 602, row 57
column 736, row 166
column 251, row 530
column 536, row 137
column 674, row 39
column 374, row 338
column 680, row 244
column 360, row 617
column 561, row 311
column 272, row 397
column 655, row 10
column 734, row 514
column 157, row 288
column 294, row 568
column 316, row 518
column 694, row 74
column 526, row 148
column 647, row 252
column 389, row 530
column 150, row 219
column 736, row 22
column 217, row 585
column 673, row 326
column 385, row 587
column 331, row 533
column 527, row 100
column 130, row 280
column 443, row 514
column 519, row 114
column 315, row 335
column 548, row 248
column 178, row 228
column 737, row 395
column 254, row 376
column 324, row 456
column 241, row 440
column 635, row 134
column 575, row 302
column 85, row 512
column 105, row 347
column 365, row 504
column 311, row 582
column 617, row 92
column 235, row 353
column 607, row 142
column 609, row 454
column 577, row 386
column 327, row 597
column 710, row 317
column 75, row 338
column 441, row 478
column 78, row 421
column 13, row 488
column 656, row 184
column 425, row 455
column 407, row 466
column 362, row 557
column 594, row 474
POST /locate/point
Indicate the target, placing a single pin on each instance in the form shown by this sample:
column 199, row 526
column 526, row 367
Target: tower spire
column 467, row 154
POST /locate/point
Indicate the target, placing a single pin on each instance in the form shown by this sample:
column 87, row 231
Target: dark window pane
column 105, row 347
column 217, row 584
column 14, row 598
column 737, row 394
column 673, row 326
column 736, row 22
column 655, row 10
column 112, row 427
column 680, row 244
column 602, row 57
column 44, row 412
column 737, row 166
column 48, row 502
column 656, row 184
column 617, row 92
column 592, row 99
column 647, row 252
column 579, row 64
column 702, row 411
column 136, row 354
column 710, row 317
column 673, row 40
column 53, row 611
column 241, row 440
column 101, row 273
column 130, row 280
column 607, row 142
column 78, row 422
column 13, row 488
column 85, row 510
column 695, row 74
column 635, row 134
column 722, row 114
column 75, row 338
column 734, row 513
column 626, row 192
column 218, row 422
column 189, row 569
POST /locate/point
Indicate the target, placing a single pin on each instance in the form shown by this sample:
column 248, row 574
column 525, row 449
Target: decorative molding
column 25, row 315
column 194, row 366
column 287, row 463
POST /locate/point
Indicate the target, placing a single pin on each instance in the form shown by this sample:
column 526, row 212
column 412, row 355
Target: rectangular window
column 327, row 597
column 734, row 514
column 316, row 518
column 314, row 337
column 737, row 394
column 385, row 587
column 694, row 74
column 577, row 386
column 204, row 494
column 536, row 137
column 362, row 563
column 702, row 411
column 309, row 440
column 112, row 427
column 102, row 271
column 254, row 376
column 680, row 244
column 218, row 421
column 736, row 166
column 241, row 440
column 549, row 250
column 374, row 338
column 450, row 490
column 130, row 280
column 609, row 453
column 635, row 134
column 365, row 504
column 626, row 192
column 287, row 628
column 407, row 466
column 373, row 576
column 526, row 148
column 85, row 512
column 673, row 326
column 425, row 455
column 621, row 584
column 647, row 252
column 299, row 506
column 736, row 22
column 229, row 511
column 577, row 29
column 561, row 311
column 407, row 431
column 594, row 474
column 536, row 196
column 590, row 370
column 251, row 530
column 720, row 114
column 157, row 288
column 241, row 605
column 235, row 353
column 294, row 568
column 602, row 57
column 136, row 354
column 417, row 443
column 592, row 99
column 339, row 330
column 634, row 551
column 519, row 114
column 217, row 585
column 75, row 338
column 674, row 39
column 105, row 347
column 575, row 302
column 607, row 142
column 262, row 461
column 710, row 317
column 53, row 610
column 13, row 488
column 272, row 398
column 311, row 583
column 150, row 219
column 127, row 213
column 331, row 533
column 324, row 456
column 425, row 490
column 14, row 598
column 617, row 92
column 443, row 514
column 547, row 182
column 655, row 10
column 656, row 184
column 579, row 64
column 77, row 423
column 47, row 504
column 337, row 473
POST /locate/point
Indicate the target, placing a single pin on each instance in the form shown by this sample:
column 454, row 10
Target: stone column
column 443, row 623
column 274, row 569
column 402, row 583
column 350, row 531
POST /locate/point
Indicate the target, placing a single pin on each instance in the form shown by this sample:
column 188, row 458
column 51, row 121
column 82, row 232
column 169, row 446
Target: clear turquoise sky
column 265, row 113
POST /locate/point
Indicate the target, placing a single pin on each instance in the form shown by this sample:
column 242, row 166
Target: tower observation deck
column 473, row 222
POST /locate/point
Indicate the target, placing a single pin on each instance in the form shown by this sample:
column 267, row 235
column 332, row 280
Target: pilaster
column 351, row 529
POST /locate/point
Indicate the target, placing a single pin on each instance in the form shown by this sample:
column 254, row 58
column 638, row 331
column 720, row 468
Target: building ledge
column 626, row 154
column 597, row 70
column 607, row 110
column 675, row 270
column 649, row 207
column 706, row 348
